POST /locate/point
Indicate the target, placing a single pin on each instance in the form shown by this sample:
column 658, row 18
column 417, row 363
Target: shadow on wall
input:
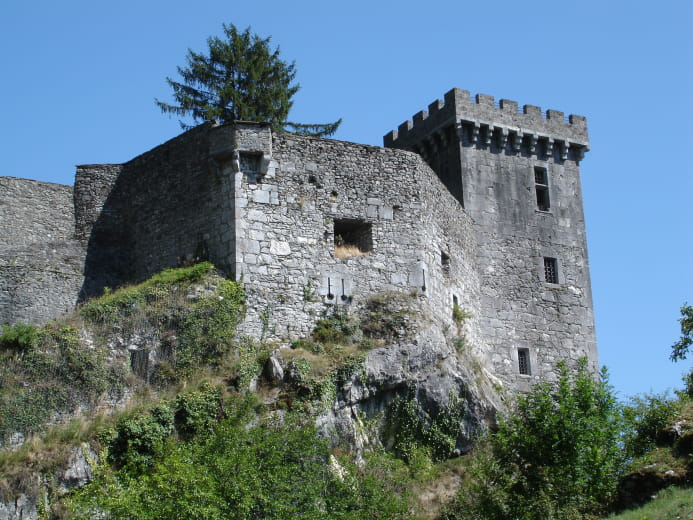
column 100, row 200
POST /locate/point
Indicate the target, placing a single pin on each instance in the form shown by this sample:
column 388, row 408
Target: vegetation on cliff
column 208, row 425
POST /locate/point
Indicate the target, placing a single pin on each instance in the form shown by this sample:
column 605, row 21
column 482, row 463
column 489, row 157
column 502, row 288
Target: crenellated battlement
column 500, row 126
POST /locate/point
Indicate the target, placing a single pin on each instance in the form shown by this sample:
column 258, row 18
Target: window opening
column 445, row 262
column 249, row 161
column 352, row 238
column 550, row 270
column 523, row 361
column 541, row 182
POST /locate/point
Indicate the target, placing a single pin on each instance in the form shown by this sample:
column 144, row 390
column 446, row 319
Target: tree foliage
column 556, row 457
column 240, row 78
column 679, row 350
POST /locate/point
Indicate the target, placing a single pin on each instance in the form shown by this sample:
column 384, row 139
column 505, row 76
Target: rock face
column 424, row 364
column 75, row 473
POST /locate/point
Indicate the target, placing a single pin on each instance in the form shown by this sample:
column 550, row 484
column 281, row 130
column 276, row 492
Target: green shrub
column 647, row 418
column 334, row 328
column 413, row 431
column 21, row 337
column 459, row 314
column 208, row 331
column 197, row 412
column 263, row 470
column 138, row 438
column 556, row 457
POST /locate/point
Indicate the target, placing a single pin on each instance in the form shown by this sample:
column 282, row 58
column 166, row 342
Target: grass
column 347, row 251
column 673, row 503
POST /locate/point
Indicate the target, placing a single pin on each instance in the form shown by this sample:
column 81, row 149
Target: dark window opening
column 541, row 182
column 249, row 161
column 352, row 238
column 523, row 361
column 445, row 261
column 550, row 270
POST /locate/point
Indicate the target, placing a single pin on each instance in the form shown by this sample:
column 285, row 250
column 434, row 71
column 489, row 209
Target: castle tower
column 517, row 175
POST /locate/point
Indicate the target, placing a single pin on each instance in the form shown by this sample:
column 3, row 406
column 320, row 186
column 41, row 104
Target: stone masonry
column 471, row 204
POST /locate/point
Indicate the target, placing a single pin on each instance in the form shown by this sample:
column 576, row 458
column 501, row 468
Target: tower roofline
column 458, row 108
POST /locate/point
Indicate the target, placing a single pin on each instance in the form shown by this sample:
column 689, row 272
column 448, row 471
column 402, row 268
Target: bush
column 334, row 328
column 647, row 418
column 265, row 470
column 557, row 456
column 415, row 433
column 18, row 338
column 209, row 330
column 138, row 438
column 197, row 412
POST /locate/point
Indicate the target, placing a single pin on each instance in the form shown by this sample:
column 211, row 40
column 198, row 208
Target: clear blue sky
column 79, row 79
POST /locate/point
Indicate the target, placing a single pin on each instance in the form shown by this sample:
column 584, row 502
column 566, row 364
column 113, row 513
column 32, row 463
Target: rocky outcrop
column 40, row 490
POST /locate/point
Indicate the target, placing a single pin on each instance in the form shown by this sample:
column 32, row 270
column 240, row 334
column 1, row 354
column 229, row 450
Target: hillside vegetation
column 145, row 403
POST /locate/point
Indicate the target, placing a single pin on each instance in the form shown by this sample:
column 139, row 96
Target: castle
column 472, row 205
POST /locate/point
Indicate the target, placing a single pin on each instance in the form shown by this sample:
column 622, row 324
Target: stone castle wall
column 500, row 151
column 271, row 209
column 40, row 261
column 290, row 219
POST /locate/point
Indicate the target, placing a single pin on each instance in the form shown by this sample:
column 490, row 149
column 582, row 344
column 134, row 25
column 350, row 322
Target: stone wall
column 273, row 209
column 40, row 262
column 286, row 230
column 33, row 211
column 499, row 150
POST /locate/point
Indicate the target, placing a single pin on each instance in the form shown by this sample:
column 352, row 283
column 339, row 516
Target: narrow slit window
column 541, row 184
column 445, row 262
column 523, row 361
column 550, row 270
column 352, row 238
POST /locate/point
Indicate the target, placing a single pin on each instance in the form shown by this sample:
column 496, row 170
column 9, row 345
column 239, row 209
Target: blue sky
column 79, row 79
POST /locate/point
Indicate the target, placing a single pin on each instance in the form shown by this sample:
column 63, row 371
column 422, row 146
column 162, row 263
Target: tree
column 239, row 79
column 557, row 456
column 679, row 350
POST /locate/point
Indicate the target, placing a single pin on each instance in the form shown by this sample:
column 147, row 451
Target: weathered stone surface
column 455, row 224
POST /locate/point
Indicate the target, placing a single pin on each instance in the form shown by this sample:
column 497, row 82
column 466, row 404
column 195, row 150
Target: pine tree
column 239, row 79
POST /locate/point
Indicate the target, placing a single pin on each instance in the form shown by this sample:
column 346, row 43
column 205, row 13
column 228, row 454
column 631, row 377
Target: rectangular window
column 550, row 270
column 523, row 361
column 541, row 183
column 352, row 238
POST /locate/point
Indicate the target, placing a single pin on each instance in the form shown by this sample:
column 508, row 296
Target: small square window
column 352, row 238
column 550, row 270
column 523, row 361
column 541, row 182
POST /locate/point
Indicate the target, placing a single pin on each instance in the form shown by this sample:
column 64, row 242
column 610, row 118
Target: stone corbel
column 474, row 138
column 564, row 150
column 236, row 162
column 549, row 147
column 532, row 143
column 580, row 153
column 443, row 137
column 517, row 142
column 503, row 138
column 489, row 135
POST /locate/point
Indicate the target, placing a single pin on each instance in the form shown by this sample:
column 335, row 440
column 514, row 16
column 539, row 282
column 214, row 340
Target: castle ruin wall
column 40, row 261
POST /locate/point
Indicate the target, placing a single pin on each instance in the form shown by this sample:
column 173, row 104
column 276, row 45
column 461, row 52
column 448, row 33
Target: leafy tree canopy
column 240, row 78
column 679, row 350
